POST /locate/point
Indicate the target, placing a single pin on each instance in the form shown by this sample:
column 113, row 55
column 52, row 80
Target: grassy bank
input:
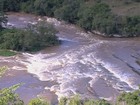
column 7, row 53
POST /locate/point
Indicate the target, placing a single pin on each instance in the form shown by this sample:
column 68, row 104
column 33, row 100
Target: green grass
column 124, row 7
column 7, row 53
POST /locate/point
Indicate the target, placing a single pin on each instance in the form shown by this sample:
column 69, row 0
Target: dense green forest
column 104, row 16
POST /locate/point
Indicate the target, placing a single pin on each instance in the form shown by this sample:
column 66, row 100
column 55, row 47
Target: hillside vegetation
column 124, row 7
column 119, row 18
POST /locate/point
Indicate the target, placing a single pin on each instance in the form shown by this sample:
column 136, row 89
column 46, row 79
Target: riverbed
column 85, row 64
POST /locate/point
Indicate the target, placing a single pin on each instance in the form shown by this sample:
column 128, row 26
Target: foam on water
column 122, row 71
column 53, row 21
column 78, row 70
column 75, row 65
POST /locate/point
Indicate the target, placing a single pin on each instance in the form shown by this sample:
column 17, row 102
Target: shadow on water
column 65, row 45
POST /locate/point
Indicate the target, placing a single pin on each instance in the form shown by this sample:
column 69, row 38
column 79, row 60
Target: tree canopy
column 92, row 15
column 3, row 18
column 33, row 38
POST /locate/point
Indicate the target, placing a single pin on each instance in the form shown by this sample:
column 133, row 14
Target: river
column 85, row 64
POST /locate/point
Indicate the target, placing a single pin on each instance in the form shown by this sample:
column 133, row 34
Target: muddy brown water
column 84, row 64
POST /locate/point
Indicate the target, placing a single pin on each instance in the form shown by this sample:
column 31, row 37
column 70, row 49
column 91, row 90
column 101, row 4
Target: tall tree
column 3, row 18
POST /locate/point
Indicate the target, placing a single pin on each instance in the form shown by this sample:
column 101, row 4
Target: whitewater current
column 84, row 64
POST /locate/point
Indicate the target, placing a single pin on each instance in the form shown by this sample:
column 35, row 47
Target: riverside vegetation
column 102, row 16
column 32, row 38
column 9, row 97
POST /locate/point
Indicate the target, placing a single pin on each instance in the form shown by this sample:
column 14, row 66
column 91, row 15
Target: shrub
column 38, row 101
column 9, row 97
column 2, row 70
column 74, row 101
column 63, row 101
column 131, row 98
